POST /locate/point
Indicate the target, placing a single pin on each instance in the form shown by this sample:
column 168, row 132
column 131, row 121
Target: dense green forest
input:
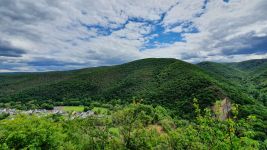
column 151, row 106
column 169, row 82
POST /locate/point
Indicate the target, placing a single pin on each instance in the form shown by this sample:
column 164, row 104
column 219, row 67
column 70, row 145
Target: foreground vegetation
column 135, row 126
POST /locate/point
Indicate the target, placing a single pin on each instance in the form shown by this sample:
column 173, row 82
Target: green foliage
column 3, row 116
column 100, row 110
column 30, row 132
column 245, row 83
column 167, row 82
column 47, row 106
column 136, row 126
column 73, row 108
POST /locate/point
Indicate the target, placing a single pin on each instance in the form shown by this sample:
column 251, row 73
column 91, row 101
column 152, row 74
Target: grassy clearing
column 100, row 110
column 73, row 108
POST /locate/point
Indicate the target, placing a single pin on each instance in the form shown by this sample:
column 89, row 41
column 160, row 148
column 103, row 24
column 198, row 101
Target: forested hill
column 169, row 82
column 247, row 79
column 250, row 76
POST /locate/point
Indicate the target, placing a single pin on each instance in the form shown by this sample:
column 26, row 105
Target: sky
column 47, row 35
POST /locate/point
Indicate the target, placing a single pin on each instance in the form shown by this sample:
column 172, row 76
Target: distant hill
column 256, row 70
column 249, row 65
column 247, row 79
column 168, row 82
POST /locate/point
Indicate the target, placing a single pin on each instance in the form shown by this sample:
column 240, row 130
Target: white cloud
column 92, row 33
column 225, row 28
column 185, row 10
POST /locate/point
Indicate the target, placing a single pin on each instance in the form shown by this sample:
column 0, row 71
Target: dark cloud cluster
column 25, row 11
column 7, row 50
column 44, row 62
column 249, row 44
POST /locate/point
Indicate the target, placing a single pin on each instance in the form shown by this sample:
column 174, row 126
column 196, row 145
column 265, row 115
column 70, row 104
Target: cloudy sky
column 44, row 35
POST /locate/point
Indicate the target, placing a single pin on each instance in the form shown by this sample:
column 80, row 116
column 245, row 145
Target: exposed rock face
column 222, row 109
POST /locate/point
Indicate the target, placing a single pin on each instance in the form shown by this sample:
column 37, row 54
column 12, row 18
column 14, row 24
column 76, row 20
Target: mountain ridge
column 159, row 81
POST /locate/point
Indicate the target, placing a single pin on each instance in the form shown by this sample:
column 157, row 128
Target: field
column 72, row 108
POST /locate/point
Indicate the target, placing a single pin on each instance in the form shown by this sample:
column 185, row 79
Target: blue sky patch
column 159, row 37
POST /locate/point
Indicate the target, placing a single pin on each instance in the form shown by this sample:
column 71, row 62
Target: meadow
column 71, row 108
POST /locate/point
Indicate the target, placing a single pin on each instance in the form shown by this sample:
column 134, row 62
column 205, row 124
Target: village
column 44, row 112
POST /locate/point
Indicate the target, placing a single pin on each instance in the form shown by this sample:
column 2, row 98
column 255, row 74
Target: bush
column 3, row 116
column 30, row 132
column 47, row 106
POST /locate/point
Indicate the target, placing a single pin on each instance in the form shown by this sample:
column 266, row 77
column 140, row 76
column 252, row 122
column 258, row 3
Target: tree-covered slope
column 231, row 79
column 249, row 65
column 170, row 82
column 242, row 79
column 256, row 71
